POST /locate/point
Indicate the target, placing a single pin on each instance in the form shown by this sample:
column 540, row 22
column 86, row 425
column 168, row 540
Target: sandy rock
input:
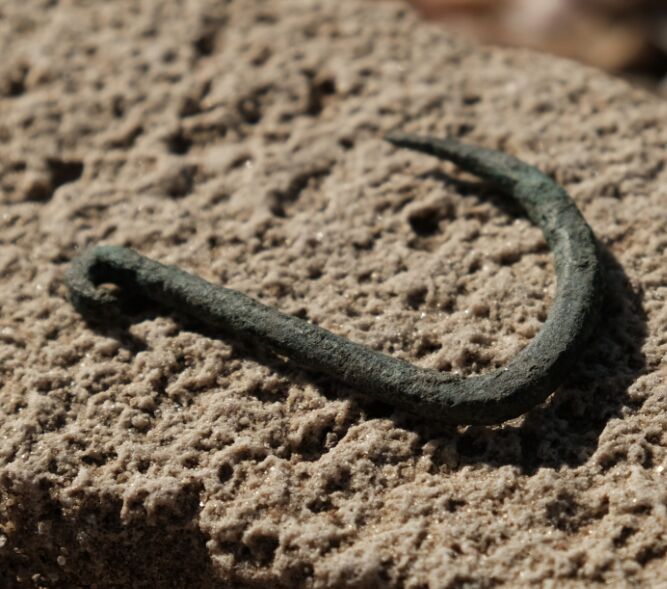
column 242, row 141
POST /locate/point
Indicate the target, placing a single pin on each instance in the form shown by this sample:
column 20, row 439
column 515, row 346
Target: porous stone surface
column 242, row 141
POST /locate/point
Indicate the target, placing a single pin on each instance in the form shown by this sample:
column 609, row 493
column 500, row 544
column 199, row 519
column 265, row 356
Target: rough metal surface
column 492, row 398
column 242, row 143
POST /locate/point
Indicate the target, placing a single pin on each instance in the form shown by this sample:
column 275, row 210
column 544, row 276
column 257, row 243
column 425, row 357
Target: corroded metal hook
column 489, row 398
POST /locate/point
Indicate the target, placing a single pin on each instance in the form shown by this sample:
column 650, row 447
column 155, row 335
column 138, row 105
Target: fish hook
column 484, row 399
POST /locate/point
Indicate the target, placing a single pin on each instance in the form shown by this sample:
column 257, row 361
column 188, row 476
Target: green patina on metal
column 489, row 398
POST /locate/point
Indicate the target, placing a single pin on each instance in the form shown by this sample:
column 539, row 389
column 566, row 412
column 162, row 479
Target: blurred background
column 624, row 37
